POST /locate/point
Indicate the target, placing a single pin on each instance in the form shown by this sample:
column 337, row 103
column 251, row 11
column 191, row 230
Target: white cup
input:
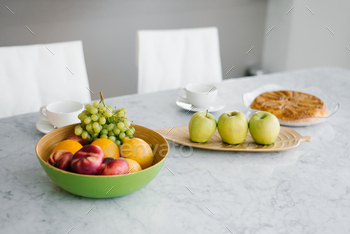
column 62, row 113
column 199, row 94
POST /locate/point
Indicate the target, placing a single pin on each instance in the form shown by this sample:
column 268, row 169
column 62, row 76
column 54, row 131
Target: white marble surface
column 304, row 190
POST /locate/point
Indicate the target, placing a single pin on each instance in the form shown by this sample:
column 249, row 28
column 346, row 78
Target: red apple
column 61, row 159
column 87, row 160
column 78, row 139
column 117, row 166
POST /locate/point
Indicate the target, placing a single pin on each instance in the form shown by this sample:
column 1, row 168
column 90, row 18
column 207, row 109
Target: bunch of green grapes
column 99, row 121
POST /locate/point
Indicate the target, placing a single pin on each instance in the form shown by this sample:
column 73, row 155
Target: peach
column 87, row 160
column 61, row 159
column 117, row 166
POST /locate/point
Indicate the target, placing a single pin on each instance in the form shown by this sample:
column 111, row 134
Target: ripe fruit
column 233, row 127
column 107, row 160
column 264, row 127
column 133, row 165
column 110, row 149
column 87, row 160
column 101, row 121
column 70, row 145
column 61, row 159
column 117, row 166
column 202, row 126
column 78, row 139
column 138, row 150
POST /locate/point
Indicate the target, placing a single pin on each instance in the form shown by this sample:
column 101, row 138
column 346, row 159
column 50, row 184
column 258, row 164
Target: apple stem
column 206, row 115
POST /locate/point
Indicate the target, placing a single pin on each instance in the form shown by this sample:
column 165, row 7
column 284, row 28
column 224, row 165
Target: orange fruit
column 138, row 150
column 110, row 149
column 133, row 165
column 69, row 145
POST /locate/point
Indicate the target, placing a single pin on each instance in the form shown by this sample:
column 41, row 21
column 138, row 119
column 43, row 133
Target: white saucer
column 44, row 126
column 217, row 105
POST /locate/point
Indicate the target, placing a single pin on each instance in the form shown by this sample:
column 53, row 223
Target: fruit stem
column 102, row 99
column 206, row 115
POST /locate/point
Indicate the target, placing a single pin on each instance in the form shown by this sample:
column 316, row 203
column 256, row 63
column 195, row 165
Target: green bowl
column 101, row 186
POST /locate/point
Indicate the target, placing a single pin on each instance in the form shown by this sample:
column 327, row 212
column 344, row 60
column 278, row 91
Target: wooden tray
column 287, row 139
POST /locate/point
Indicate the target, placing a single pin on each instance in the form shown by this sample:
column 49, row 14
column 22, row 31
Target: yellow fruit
column 110, row 149
column 133, row 165
column 70, row 145
column 138, row 150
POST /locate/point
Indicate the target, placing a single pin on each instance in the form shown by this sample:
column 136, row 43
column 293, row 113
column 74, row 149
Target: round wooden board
column 287, row 139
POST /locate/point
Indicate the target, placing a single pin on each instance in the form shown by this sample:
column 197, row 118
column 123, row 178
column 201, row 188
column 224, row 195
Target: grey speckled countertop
column 304, row 190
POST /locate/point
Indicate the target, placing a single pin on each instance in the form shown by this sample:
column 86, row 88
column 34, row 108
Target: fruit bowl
column 95, row 186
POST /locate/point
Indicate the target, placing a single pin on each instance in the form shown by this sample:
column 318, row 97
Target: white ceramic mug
column 62, row 113
column 199, row 94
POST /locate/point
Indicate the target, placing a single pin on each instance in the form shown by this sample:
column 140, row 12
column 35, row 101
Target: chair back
column 36, row 75
column 169, row 59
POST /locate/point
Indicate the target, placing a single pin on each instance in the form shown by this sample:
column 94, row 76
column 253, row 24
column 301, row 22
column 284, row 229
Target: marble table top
column 303, row 190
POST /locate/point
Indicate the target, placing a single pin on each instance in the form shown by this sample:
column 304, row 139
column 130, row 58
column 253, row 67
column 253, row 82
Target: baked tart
column 290, row 105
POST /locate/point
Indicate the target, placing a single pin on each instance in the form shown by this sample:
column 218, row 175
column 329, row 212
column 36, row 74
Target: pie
column 290, row 105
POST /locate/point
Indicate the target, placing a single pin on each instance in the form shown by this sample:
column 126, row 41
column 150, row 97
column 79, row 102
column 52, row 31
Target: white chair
column 169, row 59
column 36, row 75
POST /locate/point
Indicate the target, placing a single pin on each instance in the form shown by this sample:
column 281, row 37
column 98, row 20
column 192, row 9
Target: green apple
column 264, row 127
column 233, row 127
column 202, row 126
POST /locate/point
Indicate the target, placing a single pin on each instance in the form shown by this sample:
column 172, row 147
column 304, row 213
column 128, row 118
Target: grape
column 89, row 127
column 96, row 125
column 128, row 132
column 122, row 135
column 95, row 104
column 121, row 113
column 83, row 116
column 84, row 135
column 110, row 127
column 126, row 123
column 80, row 116
column 94, row 117
column 104, row 132
column 93, row 110
column 87, row 120
column 88, row 106
column 98, row 130
column 102, row 120
column 116, row 130
column 120, row 125
column 78, row 130
column 112, row 138
column 108, row 113
column 100, row 106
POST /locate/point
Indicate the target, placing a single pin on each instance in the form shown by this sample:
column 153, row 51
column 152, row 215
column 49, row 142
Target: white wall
column 108, row 31
column 301, row 39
